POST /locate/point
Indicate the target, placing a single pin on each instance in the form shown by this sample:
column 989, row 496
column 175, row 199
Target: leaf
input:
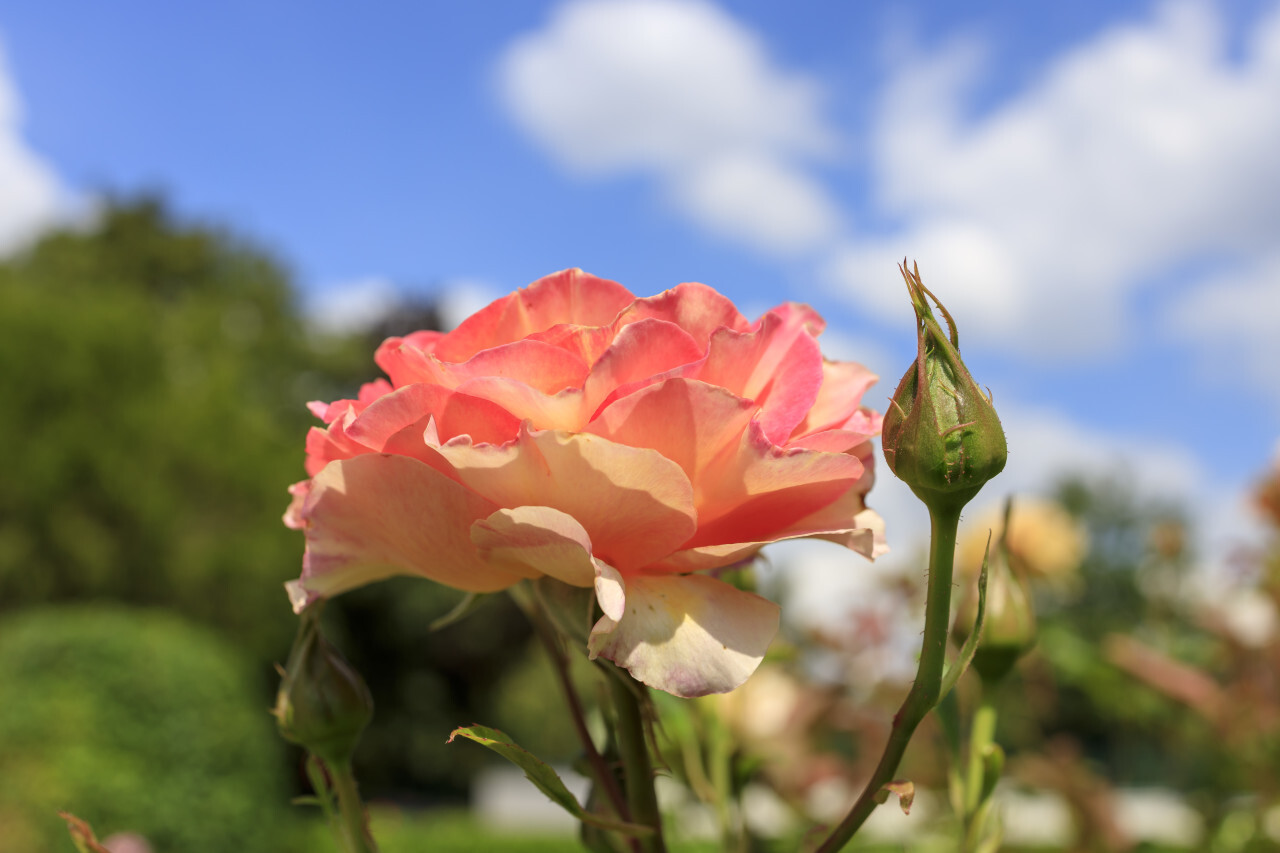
column 905, row 790
column 961, row 663
column 82, row 834
column 460, row 611
column 540, row 774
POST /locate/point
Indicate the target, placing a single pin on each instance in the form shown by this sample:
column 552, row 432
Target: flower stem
column 353, row 821
column 981, row 736
column 924, row 693
column 599, row 767
column 633, row 747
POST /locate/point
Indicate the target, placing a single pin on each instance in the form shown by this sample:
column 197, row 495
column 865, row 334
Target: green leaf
column 540, row 774
column 961, row 663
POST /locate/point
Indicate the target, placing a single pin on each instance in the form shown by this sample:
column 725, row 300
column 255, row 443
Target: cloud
column 1147, row 147
column 31, row 197
column 1231, row 319
column 682, row 92
column 1045, row 447
column 352, row 307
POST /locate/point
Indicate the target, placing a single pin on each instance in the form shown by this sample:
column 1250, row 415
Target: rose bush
column 572, row 430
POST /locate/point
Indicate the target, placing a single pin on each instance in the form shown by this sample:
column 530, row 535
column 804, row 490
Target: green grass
column 457, row 831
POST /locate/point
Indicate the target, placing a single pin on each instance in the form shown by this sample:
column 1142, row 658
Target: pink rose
column 630, row 445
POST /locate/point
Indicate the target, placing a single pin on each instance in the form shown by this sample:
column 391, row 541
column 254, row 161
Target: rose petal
column 454, row 414
column 846, row 522
column 757, row 491
column 375, row 516
column 689, row 635
column 635, row 505
column 778, row 365
column 696, row 308
column 641, row 352
column 563, row 410
column 687, row 421
column 839, row 399
column 569, row 296
column 536, row 539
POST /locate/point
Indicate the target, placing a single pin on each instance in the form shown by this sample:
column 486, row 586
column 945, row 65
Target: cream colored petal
column 689, row 635
column 375, row 516
column 538, row 539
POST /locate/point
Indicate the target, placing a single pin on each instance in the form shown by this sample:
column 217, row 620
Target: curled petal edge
column 689, row 635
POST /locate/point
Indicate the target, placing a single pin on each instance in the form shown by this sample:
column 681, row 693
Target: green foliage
column 133, row 720
column 426, row 683
column 154, row 415
column 156, row 374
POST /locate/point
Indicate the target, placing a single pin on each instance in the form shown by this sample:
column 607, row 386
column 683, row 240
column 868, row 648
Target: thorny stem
column 599, row 767
column 353, row 821
column 637, row 770
column 924, row 693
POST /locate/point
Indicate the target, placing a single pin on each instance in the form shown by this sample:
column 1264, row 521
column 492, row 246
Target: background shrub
column 134, row 720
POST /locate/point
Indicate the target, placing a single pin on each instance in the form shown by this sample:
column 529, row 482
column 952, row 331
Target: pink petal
column 570, row 296
column 640, row 353
column 778, row 365
column 454, row 414
column 689, row 635
column 839, row 399
column 635, row 505
column 539, row 365
column 329, row 445
column 563, row 410
column 696, row 308
column 536, row 539
column 586, row 342
column 752, row 494
column 687, row 421
column 846, row 521
column 375, row 516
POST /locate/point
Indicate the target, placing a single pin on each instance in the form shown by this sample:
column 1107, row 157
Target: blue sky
column 1092, row 188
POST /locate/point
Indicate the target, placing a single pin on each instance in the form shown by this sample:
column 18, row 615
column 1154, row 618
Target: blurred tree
column 156, row 374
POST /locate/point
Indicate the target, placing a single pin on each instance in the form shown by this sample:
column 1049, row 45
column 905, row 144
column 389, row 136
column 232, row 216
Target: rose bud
column 1009, row 620
column 941, row 435
column 323, row 704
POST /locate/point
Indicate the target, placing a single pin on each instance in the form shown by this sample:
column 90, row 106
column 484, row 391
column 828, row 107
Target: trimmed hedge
column 136, row 721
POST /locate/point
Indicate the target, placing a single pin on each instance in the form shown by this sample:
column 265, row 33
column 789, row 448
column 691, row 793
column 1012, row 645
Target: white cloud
column 1232, row 318
column 31, row 198
column 679, row 90
column 352, row 306
column 1045, row 446
column 1146, row 147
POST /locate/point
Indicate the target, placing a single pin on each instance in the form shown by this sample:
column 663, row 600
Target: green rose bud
column 941, row 435
column 323, row 703
column 1009, row 619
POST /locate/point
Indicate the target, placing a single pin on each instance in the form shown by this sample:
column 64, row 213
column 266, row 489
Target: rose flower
column 574, row 431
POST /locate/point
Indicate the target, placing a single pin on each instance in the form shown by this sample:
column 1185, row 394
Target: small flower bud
column 323, row 704
column 1009, row 620
column 941, row 435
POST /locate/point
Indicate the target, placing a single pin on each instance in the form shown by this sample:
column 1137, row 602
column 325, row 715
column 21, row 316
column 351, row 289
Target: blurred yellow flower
column 1044, row 540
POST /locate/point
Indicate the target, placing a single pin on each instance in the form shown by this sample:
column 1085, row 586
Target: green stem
column 928, row 684
column 633, row 747
column 981, row 736
column 353, row 823
column 550, row 640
